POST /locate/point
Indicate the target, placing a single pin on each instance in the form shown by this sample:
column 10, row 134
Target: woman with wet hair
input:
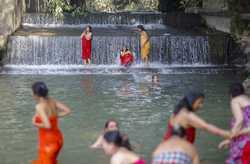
column 176, row 149
column 240, row 126
column 48, row 111
column 110, row 125
column 120, row 151
column 184, row 115
column 144, row 44
column 86, row 38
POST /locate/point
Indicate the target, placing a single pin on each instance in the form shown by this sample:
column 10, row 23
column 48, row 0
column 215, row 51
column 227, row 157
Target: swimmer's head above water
column 111, row 125
column 155, row 78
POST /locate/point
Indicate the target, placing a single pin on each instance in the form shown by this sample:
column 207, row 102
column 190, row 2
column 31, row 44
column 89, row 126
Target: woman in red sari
column 48, row 111
column 126, row 57
column 86, row 39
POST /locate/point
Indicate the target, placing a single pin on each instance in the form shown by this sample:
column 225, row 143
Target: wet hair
column 90, row 28
column 109, row 121
column 188, row 101
column 179, row 131
column 236, row 89
column 40, row 89
column 117, row 139
column 141, row 27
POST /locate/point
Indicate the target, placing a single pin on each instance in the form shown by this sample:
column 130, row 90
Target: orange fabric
column 50, row 142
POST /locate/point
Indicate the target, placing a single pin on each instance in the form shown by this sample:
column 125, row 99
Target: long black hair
column 188, row 101
column 40, row 89
column 236, row 89
column 116, row 138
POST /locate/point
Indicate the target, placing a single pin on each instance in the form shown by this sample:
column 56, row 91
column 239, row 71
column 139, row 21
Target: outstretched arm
column 63, row 109
column 197, row 122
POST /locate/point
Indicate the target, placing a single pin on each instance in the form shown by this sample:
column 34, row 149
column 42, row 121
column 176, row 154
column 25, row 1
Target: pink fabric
column 238, row 144
column 141, row 161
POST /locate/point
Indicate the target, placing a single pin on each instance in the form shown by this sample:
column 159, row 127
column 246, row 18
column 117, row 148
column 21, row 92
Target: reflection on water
column 141, row 107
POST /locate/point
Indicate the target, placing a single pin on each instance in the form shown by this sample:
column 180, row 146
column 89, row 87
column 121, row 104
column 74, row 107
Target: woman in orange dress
column 48, row 111
column 86, row 38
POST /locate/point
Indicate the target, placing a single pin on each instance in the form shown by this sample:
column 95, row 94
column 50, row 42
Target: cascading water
column 47, row 42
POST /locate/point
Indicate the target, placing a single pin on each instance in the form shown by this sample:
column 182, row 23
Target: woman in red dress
column 48, row 111
column 126, row 57
column 184, row 115
column 86, row 38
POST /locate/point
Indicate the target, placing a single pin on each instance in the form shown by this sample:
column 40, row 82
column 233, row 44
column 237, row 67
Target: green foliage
column 59, row 7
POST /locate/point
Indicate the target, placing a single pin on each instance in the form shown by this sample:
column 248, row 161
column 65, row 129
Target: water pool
column 141, row 108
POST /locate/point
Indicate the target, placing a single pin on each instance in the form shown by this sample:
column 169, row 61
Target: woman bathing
column 240, row 126
column 144, row 44
column 176, row 150
column 184, row 115
column 120, row 152
column 126, row 57
column 48, row 110
column 86, row 39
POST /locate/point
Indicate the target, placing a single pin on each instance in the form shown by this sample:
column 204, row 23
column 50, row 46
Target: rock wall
column 10, row 19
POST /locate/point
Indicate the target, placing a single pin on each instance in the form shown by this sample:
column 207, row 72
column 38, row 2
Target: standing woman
column 184, row 115
column 144, row 44
column 48, row 111
column 86, row 38
column 240, row 126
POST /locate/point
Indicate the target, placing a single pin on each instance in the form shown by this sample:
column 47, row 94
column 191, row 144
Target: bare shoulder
column 116, row 159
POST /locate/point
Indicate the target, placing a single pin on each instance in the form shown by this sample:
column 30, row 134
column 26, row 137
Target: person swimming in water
column 120, row 152
column 48, row 111
column 110, row 125
column 126, row 57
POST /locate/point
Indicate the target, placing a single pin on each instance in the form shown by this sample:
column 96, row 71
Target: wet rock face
column 10, row 19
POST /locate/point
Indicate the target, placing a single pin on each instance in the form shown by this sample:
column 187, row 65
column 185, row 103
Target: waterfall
column 45, row 42
column 66, row 50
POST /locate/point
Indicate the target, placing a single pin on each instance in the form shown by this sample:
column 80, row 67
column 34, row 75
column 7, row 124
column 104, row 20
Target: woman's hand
column 224, row 144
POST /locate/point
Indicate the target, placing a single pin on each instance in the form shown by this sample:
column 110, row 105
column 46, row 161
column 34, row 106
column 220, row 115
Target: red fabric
column 86, row 48
column 246, row 154
column 127, row 59
column 190, row 133
column 50, row 142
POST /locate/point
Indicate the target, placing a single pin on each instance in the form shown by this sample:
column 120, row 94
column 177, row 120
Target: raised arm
column 44, row 123
column 197, row 122
column 63, row 110
column 238, row 116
